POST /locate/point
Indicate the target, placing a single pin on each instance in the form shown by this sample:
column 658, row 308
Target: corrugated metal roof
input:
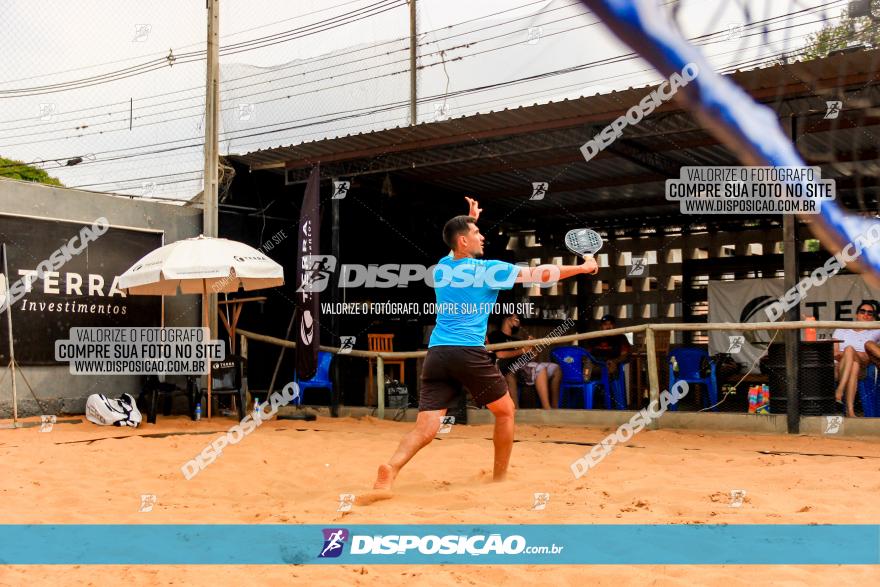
column 496, row 155
column 767, row 84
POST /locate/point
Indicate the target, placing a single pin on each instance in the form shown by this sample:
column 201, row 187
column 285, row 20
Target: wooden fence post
column 380, row 384
column 653, row 378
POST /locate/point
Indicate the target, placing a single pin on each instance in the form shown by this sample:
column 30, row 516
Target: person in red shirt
column 614, row 350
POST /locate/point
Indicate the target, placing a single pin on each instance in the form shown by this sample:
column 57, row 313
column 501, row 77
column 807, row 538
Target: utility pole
column 335, row 319
column 791, row 246
column 413, row 112
column 212, row 123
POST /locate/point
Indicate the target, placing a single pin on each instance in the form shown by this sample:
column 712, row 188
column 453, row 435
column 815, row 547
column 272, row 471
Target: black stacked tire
column 815, row 376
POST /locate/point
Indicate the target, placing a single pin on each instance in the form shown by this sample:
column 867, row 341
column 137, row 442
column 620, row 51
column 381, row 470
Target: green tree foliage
column 18, row 170
column 849, row 32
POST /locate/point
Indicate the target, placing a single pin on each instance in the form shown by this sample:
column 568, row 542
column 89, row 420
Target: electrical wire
column 403, row 105
column 704, row 38
column 325, row 121
column 355, row 113
column 194, row 56
column 199, row 44
column 273, row 70
column 439, row 52
column 749, row 372
column 126, row 111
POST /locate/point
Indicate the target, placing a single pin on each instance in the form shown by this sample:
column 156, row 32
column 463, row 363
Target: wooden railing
column 648, row 329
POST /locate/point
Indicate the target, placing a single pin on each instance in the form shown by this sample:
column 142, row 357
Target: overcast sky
column 305, row 81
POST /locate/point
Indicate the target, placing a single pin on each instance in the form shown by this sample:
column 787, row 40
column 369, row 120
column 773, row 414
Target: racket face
column 583, row 241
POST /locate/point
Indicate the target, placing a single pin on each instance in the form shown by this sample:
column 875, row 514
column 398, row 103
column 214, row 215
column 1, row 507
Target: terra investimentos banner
column 748, row 300
column 80, row 264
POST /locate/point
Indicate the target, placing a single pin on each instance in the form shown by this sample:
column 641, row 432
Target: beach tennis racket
column 583, row 241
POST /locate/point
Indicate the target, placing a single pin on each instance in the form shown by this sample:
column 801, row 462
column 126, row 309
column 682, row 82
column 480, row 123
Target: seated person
column 547, row 376
column 852, row 353
column 614, row 350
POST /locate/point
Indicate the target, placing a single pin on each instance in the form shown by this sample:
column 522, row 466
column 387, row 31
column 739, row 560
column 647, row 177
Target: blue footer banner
column 440, row 544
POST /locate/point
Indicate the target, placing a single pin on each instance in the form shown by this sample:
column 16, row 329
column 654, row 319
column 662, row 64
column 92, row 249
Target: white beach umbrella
column 199, row 265
column 196, row 265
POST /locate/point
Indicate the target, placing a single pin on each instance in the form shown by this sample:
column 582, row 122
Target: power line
column 193, row 56
column 277, row 89
column 538, row 76
column 701, row 37
column 307, row 30
column 49, row 131
column 199, row 44
column 384, row 108
column 396, row 105
column 175, row 182
column 274, row 70
column 84, row 185
column 734, row 66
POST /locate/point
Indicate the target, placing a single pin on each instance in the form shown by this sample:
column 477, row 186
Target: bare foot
column 484, row 476
column 384, row 477
column 373, row 496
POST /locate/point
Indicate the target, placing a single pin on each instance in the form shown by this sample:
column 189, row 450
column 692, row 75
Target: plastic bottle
column 810, row 333
column 198, row 411
column 256, row 404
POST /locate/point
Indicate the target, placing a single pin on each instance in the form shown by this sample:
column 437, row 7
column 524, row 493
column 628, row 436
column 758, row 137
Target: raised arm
column 551, row 273
column 474, row 208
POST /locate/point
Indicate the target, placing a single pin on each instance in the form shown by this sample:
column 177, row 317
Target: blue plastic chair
column 570, row 360
column 616, row 385
column 868, row 393
column 321, row 380
column 689, row 361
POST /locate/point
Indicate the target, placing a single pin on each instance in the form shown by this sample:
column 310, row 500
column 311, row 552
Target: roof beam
column 641, row 156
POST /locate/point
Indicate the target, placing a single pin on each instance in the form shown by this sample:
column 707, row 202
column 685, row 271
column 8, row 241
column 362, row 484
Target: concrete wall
column 58, row 391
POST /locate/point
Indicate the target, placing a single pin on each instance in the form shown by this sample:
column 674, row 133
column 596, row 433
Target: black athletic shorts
column 447, row 370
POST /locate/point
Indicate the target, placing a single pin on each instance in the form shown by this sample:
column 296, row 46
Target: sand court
column 292, row 472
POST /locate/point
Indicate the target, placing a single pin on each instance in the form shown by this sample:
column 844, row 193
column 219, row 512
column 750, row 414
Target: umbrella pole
column 162, row 326
column 208, row 326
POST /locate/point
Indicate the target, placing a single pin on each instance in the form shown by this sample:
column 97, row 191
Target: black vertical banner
column 308, row 334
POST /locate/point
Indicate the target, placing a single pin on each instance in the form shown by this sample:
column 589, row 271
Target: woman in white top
column 855, row 349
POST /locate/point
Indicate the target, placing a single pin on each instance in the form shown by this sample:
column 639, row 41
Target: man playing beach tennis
column 466, row 288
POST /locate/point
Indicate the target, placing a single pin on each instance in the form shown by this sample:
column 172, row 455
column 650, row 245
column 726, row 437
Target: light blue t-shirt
column 466, row 291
